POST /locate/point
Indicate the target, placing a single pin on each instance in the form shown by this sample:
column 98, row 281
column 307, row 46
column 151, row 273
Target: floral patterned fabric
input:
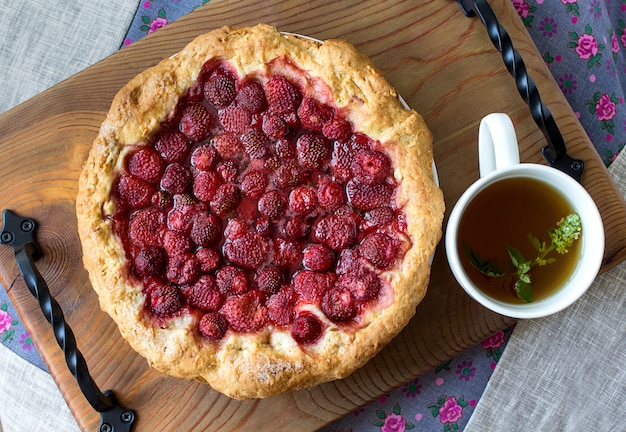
column 583, row 44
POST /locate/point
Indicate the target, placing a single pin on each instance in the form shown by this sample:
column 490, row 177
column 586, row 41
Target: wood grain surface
column 440, row 61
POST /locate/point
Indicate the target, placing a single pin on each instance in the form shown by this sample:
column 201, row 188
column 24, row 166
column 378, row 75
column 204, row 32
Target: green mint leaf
column 535, row 242
column 488, row 268
column 523, row 291
column 516, row 257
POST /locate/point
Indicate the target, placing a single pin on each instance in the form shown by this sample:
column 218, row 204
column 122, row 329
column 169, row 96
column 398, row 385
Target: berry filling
column 255, row 204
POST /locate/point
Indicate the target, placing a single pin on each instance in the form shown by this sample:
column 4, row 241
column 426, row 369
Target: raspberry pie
column 258, row 212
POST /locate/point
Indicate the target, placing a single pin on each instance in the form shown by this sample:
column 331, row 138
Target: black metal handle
column 555, row 152
column 19, row 233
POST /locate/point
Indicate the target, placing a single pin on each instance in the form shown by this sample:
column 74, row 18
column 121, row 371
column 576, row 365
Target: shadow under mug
column 499, row 160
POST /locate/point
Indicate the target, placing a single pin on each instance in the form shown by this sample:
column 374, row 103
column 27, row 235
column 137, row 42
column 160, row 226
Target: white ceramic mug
column 499, row 159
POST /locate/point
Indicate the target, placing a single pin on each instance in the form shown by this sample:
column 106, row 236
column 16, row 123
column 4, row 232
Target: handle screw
column 105, row 427
column 7, row 237
column 127, row 416
column 27, row 226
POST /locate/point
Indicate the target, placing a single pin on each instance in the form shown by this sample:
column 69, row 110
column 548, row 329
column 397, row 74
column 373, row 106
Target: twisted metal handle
column 19, row 233
column 555, row 152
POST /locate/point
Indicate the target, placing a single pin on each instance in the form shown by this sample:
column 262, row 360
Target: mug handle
column 497, row 143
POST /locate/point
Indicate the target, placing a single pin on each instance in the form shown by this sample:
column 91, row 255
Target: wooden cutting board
column 441, row 62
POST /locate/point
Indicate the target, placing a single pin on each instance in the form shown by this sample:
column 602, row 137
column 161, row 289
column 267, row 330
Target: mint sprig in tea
column 518, row 240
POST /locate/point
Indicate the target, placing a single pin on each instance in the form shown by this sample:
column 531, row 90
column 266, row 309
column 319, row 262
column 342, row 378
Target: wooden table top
column 444, row 66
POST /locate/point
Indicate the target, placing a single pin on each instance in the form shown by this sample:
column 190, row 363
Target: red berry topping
column 272, row 204
column 254, row 183
column 280, row 307
column 269, row 279
column 183, row 269
column 313, row 150
column 172, row 146
column 313, row 115
column 336, row 231
column 220, row 90
column 147, row 165
column 331, row 195
column 204, row 157
column 206, row 229
column 150, row 261
column 205, row 185
column 366, row 197
column 337, row 129
column 213, row 326
column 196, row 122
column 379, row 249
column 231, row 280
column 371, row 167
column 176, row 243
column 285, row 149
column 176, row 179
column 204, row 295
column 306, row 328
column 225, row 200
column 363, row 284
column 134, row 192
column 228, row 170
column 227, row 145
column 302, row 200
column 146, row 227
column 209, row 259
column 252, row 97
column 164, row 300
column 378, row 217
column 290, row 174
column 282, row 97
column 287, row 254
column 256, row 143
column 248, row 251
column 235, row 119
column 274, row 126
column 311, row 285
column 318, row 257
column 245, row 312
column 181, row 215
column 339, row 305
column 296, row 228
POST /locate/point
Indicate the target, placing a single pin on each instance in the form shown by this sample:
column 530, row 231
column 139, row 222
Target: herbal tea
column 511, row 239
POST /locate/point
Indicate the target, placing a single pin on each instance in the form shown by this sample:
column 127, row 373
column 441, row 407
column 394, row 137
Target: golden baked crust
column 267, row 362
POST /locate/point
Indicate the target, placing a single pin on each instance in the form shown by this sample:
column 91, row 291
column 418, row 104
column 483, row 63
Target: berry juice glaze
column 255, row 205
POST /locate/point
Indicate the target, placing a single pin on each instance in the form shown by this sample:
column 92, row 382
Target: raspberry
column 364, row 285
column 349, row 261
column 204, row 295
column 227, row 145
column 337, row 129
column 366, row 197
column 252, row 97
column 162, row 200
column 377, row 218
column 331, row 195
column 245, row 312
column 302, row 200
column 318, row 257
column 176, row 179
column 254, row 183
column 338, row 305
column 296, row 228
column 256, row 143
column 147, row 165
column 272, row 204
column 379, row 249
column 336, row 231
column 235, row 228
column 280, row 307
column 176, row 243
column 213, row 326
column 269, row 279
column 145, row 227
column 181, row 215
column 204, row 157
column 370, row 167
column 263, row 226
column 205, row 185
column 290, row 174
column 311, row 285
column 285, row 149
column 228, row 170
column 306, row 328
column 274, row 126
column 340, row 162
column 150, row 261
column 206, row 229
column 313, row 150
column 220, row 90
column 248, row 251
column 196, row 121
column 134, row 192
column 164, row 300
column 231, row 280
column 235, row 119
column 225, row 200
column 313, row 115
column 209, row 259
column 287, row 254
column 172, row 146
column 282, row 97
column 183, row 269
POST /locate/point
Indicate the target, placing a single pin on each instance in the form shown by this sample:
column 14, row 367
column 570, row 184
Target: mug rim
column 592, row 247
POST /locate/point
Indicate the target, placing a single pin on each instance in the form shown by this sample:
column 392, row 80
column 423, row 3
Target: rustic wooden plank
column 441, row 62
